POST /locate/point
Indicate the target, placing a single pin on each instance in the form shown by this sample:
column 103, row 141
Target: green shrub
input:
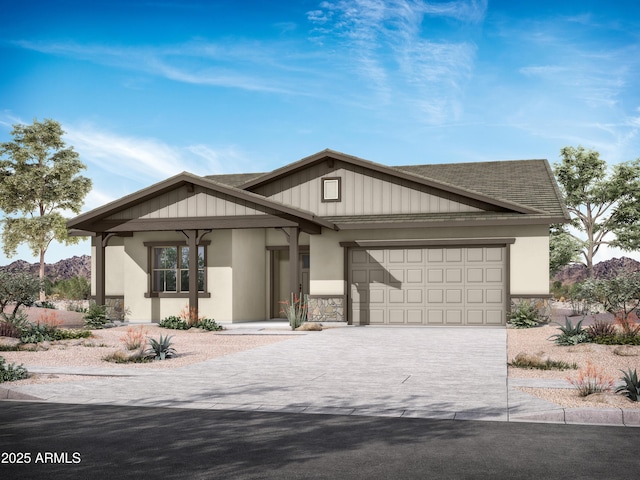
column 570, row 334
column 526, row 315
column 160, row 349
column 45, row 304
column 531, row 362
column 96, row 316
column 631, row 388
column 47, row 333
column 208, row 324
column 174, row 323
column 11, row 372
column 75, row 288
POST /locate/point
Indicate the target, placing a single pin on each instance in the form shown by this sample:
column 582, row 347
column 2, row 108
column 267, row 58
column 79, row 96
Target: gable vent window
column 331, row 189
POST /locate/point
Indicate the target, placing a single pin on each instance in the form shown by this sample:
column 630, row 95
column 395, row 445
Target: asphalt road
column 95, row 442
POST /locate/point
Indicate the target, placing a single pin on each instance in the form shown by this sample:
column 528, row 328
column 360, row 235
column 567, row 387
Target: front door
column 280, row 279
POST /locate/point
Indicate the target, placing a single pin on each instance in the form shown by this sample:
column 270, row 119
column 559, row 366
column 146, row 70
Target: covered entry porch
column 203, row 222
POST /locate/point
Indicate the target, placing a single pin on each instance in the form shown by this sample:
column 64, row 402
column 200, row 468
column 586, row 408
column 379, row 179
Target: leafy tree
column 604, row 204
column 39, row 178
column 563, row 249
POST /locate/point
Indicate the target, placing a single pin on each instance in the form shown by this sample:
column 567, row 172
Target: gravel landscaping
column 195, row 346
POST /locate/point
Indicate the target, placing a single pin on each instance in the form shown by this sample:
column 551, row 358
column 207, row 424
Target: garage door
column 428, row 286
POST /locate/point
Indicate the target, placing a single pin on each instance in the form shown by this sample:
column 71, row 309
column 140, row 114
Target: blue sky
column 147, row 89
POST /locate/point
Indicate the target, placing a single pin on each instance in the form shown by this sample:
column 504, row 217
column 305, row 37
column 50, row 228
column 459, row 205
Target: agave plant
column 570, row 334
column 160, row 349
column 631, row 388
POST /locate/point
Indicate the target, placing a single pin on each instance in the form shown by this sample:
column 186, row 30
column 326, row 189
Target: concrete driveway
column 381, row 371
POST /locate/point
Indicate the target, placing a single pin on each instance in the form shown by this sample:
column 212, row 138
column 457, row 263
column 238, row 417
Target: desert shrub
column 618, row 294
column 8, row 329
column 75, row 288
column 208, row 324
column 36, row 333
column 631, row 387
column 10, row 372
column 570, row 334
column 581, row 298
column 591, row 380
column 523, row 360
column 559, row 290
column 525, row 315
column 160, row 349
column 602, row 332
column 126, row 357
column 17, row 289
column 96, row 316
column 45, row 304
column 174, row 323
column 296, row 311
column 134, row 338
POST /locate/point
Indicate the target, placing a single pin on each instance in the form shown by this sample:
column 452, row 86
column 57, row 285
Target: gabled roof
column 85, row 221
column 440, row 184
column 525, row 182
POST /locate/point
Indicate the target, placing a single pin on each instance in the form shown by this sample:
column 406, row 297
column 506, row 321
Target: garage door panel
column 415, row 295
column 396, row 296
column 377, row 295
column 428, row 286
column 376, row 316
column 396, row 316
column 415, row 317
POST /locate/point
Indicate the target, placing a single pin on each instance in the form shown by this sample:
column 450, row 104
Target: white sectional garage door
column 428, row 286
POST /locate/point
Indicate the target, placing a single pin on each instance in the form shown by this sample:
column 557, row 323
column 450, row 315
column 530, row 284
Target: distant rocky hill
column 608, row 269
column 62, row 270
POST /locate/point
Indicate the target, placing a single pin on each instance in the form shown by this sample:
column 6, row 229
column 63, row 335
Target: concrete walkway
column 445, row 373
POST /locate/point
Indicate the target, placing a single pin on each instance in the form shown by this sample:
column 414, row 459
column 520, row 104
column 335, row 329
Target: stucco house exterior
column 447, row 244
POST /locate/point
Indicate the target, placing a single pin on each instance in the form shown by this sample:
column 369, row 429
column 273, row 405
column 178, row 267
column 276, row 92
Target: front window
column 170, row 270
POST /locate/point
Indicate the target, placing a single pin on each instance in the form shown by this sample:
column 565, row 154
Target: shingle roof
column 529, row 183
column 526, row 182
column 234, row 179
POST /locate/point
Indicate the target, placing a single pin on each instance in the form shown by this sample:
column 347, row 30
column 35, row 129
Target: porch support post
column 193, row 241
column 294, row 260
column 102, row 240
column 100, row 269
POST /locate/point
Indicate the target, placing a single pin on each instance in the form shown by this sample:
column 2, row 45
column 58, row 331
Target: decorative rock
column 606, row 398
column 310, row 327
column 627, row 351
column 9, row 341
column 196, row 330
column 29, row 347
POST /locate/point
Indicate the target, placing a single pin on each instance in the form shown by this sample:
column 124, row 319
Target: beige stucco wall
column 249, row 266
column 529, row 269
column 114, row 275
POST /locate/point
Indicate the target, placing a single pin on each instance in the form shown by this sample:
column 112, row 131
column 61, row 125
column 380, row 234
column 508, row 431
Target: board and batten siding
column 363, row 192
column 199, row 203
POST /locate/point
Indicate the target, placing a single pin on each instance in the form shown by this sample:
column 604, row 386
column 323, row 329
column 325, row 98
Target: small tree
column 600, row 202
column 16, row 290
column 39, row 178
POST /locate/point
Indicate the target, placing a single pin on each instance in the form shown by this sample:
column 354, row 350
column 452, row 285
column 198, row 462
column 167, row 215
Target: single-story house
column 445, row 244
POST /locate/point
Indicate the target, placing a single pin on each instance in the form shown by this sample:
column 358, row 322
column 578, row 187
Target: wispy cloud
column 397, row 54
column 245, row 66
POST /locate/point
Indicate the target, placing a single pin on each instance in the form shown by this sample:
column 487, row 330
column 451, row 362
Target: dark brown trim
column 175, row 295
column 322, row 190
column 525, row 220
column 171, row 243
column 328, row 154
column 441, row 242
column 301, row 248
column 88, row 221
column 201, row 223
column 347, row 286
